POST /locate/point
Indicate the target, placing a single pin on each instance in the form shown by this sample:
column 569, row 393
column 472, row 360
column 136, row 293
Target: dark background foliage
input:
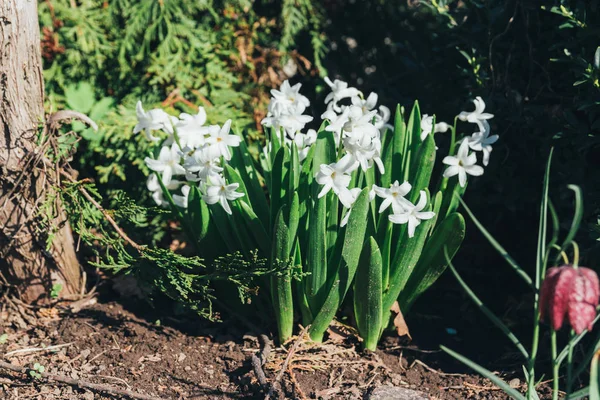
column 534, row 62
column 536, row 65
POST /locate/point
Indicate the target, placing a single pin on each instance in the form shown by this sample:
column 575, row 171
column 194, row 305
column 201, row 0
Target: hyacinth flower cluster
column 192, row 150
column 350, row 199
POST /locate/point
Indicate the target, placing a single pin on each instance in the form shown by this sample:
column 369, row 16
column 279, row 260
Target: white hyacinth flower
column 349, row 197
column 275, row 111
column 482, row 141
column 362, row 150
column 285, row 110
column 382, row 118
column 294, row 123
column 290, row 95
column 336, row 122
column 168, row 163
column 367, row 104
column 362, row 139
column 339, row 91
column 182, row 201
column 157, row 193
column 477, row 116
column 357, row 121
column 303, row 142
column 332, row 177
column 220, row 140
column 191, row 130
column 155, row 119
column 394, row 196
column 462, row 164
column 203, row 163
column 218, row 191
column 413, row 215
column 427, row 125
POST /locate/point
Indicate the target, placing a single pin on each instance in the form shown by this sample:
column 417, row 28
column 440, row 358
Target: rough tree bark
column 26, row 181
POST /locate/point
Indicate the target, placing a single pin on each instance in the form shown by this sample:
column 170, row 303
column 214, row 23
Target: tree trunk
column 26, row 182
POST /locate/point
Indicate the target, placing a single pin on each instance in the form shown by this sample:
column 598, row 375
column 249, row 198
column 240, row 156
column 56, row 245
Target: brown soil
column 169, row 359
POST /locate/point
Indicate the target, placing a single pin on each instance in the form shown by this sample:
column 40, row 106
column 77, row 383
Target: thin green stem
column 532, row 357
column 540, row 267
column 570, row 366
column 555, row 366
column 495, row 320
column 583, row 365
column 444, row 182
column 575, row 340
column 575, row 254
column 176, row 137
column 453, row 138
column 360, row 178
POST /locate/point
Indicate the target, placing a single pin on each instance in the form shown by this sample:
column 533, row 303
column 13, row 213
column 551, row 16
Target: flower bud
column 569, row 291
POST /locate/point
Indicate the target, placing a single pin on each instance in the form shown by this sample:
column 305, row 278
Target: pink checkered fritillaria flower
column 571, row 292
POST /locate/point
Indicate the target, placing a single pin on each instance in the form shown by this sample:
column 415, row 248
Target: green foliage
column 36, row 371
column 56, row 289
column 368, row 295
column 182, row 278
column 308, row 238
column 101, row 57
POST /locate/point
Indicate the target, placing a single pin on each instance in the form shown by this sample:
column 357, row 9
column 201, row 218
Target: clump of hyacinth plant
column 356, row 197
column 567, row 294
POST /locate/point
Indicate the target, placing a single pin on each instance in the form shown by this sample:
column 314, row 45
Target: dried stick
column 261, row 359
column 55, row 119
column 296, row 383
column 35, row 349
column 276, row 386
column 427, row 367
column 81, row 383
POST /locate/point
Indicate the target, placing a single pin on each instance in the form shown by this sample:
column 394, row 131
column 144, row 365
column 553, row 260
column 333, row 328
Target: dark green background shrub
column 534, row 62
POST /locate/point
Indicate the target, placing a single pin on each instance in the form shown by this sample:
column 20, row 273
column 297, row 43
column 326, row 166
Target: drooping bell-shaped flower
column 571, row 292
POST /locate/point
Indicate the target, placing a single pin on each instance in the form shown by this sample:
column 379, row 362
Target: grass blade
column 541, row 245
column 488, row 313
column 486, row 373
column 497, row 246
column 594, row 384
column 578, row 215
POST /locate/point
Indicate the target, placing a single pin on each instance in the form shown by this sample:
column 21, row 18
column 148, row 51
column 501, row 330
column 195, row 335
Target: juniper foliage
column 185, row 279
column 223, row 55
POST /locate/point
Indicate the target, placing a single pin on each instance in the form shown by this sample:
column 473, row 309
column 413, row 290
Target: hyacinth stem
column 444, row 183
column 453, row 137
column 176, row 137
column 555, row 366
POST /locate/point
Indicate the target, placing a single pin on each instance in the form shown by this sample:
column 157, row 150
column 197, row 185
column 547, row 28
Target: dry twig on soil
column 261, row 359
column 427, row 367
column 30, row 350
column 80, row 383
column 276, row 386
